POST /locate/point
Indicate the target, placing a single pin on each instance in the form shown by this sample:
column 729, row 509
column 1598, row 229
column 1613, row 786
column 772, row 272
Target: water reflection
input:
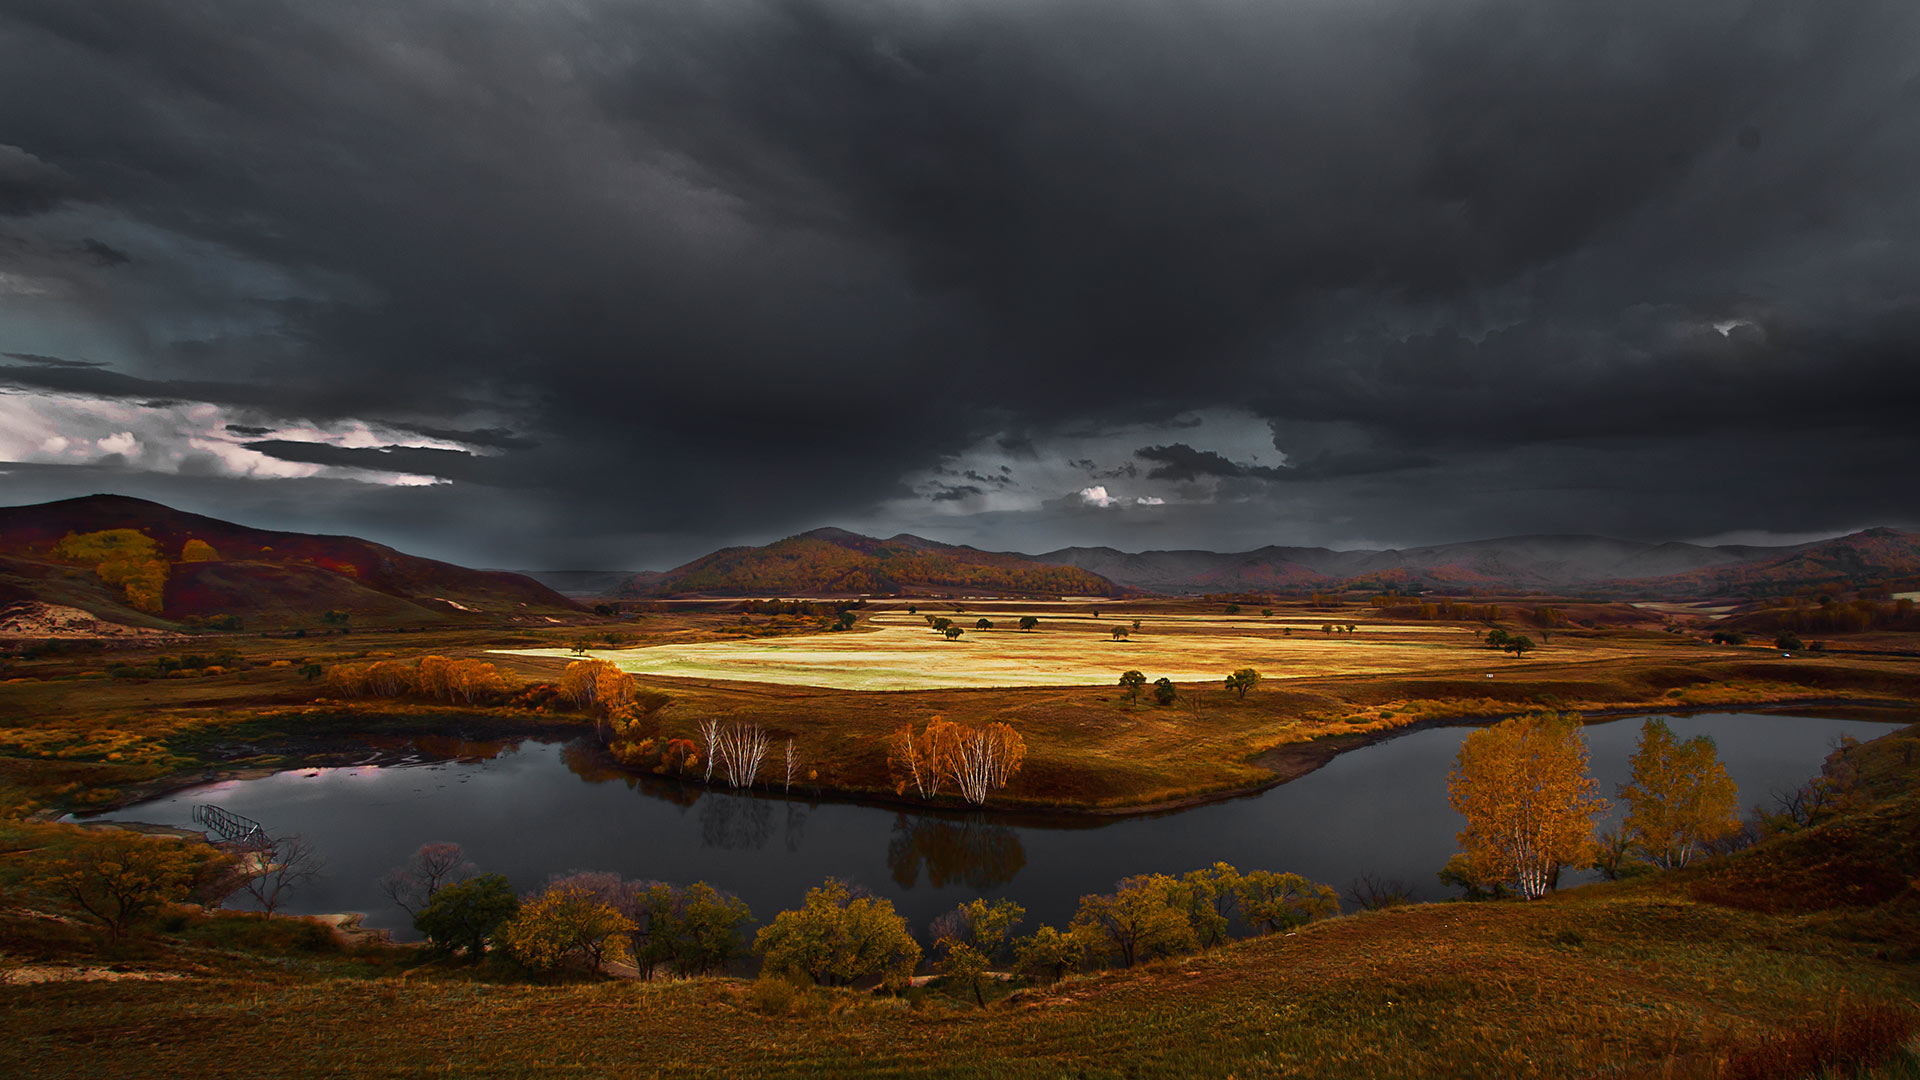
column 972, row 851
column 736, row 822
column 539, row 808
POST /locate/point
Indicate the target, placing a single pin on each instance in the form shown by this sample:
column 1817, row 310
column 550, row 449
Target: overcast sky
column 609, row 283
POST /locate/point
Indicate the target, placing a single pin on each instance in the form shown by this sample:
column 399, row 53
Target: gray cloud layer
column 703, row 273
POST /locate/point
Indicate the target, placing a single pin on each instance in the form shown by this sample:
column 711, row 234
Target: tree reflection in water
column 589, row 762
column 969, row 850
column 796, row 832
column 736, row 823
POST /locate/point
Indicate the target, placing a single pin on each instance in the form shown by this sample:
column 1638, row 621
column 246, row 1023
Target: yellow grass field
column 896, row 651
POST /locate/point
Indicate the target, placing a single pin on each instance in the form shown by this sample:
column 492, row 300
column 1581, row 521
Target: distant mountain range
column 837, row 562
column 266, row 579
column 209, row 568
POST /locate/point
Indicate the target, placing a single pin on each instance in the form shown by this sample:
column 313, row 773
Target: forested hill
column 837, row 562
column 137, row 562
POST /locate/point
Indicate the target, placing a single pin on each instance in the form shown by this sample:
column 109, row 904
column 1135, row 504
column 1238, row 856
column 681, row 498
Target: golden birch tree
column 1529, row 800
column 1679, row 798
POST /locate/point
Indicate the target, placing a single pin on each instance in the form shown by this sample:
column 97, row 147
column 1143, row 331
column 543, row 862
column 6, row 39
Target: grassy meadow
column 73, row 735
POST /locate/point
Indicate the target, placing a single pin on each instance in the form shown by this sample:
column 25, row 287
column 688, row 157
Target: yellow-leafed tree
column 1679, row 798
column 198, row 551
column 1529, row 800
column 124, row 557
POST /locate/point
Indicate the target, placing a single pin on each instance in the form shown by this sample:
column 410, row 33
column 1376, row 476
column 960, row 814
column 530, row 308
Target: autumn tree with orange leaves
column 976, row 760
column 1529, row 800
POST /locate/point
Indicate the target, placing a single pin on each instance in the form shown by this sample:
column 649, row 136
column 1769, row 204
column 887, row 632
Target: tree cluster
column 976, row 761
column 127, row 558
column 463, row 681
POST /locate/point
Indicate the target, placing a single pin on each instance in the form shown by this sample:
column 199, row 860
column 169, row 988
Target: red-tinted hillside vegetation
column 264, row 578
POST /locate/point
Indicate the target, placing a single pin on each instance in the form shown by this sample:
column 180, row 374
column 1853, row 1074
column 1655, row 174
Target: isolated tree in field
column 1119, row 633
column 1518, row 644
column 1164, row 692
column 1529, row 800
column 465, row 915
column 1132, row 681
column 1351, row 627
column 1242, row 681
column 1680, row 796
column 117, row 878
column 1326, row 628
column 1028, row 622
column 839, row 937
column 1143, row 918
column 1266, row 613
column 1497, row 638
column 983, row 624
column 1233, row 609
column 942, row 625
column 289, row 863
column 311, row 672
column 1046, row 955
column 567, row 923
column 1272, row 902
column 433, row 867
column 953, row 633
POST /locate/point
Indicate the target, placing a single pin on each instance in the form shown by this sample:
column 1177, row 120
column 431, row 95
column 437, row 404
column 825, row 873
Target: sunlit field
column 896, row 651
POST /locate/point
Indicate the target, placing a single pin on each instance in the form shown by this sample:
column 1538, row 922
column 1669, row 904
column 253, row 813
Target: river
column 534, row 809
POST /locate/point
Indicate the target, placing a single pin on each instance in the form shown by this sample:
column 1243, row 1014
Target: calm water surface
column 533, row 810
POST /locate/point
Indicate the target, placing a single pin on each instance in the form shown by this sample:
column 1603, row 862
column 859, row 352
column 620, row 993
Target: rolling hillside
column 837, row 562
column 1580, row 564
column 267, row 579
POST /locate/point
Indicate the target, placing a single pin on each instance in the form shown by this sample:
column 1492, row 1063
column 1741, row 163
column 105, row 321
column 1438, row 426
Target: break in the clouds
column 608, row 283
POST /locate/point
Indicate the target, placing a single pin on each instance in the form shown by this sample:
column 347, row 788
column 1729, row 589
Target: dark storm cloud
column 29, row 185
column 425, row 461
column 39, row 360
column 1182, row 463
column 719, row 271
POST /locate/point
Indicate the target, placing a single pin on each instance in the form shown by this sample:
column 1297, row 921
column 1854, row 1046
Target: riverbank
column 1677, row 974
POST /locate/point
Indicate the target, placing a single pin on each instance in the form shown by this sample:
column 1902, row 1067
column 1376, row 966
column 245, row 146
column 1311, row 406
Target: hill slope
column 265, row 578
column 837, row 562
column 1588, row 564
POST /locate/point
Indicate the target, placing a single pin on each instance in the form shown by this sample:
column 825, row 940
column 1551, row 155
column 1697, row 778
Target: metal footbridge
column 226, row 827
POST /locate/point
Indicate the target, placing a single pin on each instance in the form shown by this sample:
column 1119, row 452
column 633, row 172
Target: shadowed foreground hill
column 1677, row 975
column 265, row 578
column 835, row 562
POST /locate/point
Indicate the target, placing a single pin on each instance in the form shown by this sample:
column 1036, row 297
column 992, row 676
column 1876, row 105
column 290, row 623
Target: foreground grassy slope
column 1665, row 976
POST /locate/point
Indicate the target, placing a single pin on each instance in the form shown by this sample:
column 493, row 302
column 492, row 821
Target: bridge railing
column 227, row 827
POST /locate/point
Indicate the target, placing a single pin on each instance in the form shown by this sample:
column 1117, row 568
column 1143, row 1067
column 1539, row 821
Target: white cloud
column 122, row 443
column 1151, row 500
column 1096, row 496
column 186, row 437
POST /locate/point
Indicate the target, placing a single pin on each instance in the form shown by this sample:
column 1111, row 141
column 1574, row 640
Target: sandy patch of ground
column 38, row 620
